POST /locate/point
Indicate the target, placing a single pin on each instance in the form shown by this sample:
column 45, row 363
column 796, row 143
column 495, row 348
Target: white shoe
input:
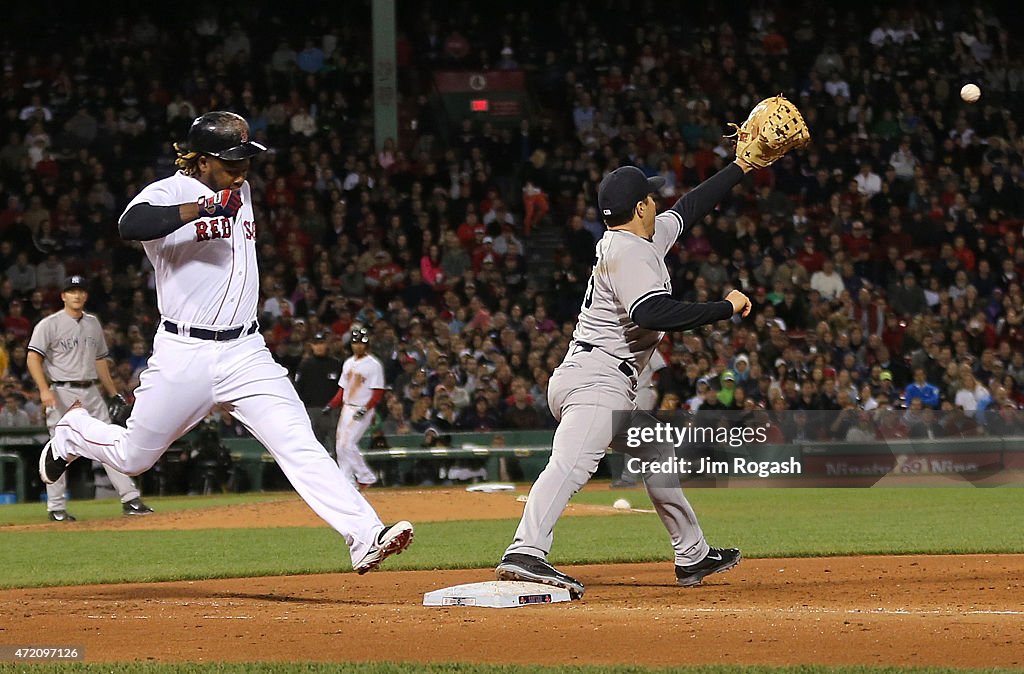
column 391, row 540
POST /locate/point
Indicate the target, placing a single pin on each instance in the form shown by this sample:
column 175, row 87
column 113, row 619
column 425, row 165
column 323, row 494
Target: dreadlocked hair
column 187, row 161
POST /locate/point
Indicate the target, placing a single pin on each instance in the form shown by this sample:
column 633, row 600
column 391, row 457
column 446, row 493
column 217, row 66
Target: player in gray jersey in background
column 67, row 356
column 626, row 310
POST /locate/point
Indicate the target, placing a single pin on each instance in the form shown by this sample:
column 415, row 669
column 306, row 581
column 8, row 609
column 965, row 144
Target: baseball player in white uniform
column 626, row 309
column 199, row 234
column 360, row 389
column 67, row 356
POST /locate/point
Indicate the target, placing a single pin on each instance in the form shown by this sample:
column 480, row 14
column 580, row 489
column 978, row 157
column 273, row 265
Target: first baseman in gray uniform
column 626, row 310
column 646, row 400
column 67, row 354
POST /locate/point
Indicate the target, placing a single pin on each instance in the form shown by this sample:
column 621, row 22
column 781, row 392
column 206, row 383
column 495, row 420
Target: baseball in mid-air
column 621, row 504
column 970, row 93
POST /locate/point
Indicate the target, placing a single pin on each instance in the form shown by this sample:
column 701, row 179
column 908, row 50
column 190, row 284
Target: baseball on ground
column 970, row 93
column 621, row 504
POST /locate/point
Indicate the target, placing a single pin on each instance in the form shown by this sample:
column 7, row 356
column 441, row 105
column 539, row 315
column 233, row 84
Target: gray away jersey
column 629, row 269
column 69, row 347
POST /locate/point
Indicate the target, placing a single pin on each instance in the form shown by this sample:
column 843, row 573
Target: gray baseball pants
column 583, row 393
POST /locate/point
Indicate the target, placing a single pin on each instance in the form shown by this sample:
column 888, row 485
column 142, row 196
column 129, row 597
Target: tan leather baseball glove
column 774, row 127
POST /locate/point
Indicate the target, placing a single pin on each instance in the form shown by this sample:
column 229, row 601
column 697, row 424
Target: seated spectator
column 971, row 396
column 22, row 275
column 921, row 389
column 12, row 415
column 827, row 282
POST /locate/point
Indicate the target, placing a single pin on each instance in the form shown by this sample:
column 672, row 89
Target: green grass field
column 763, row 522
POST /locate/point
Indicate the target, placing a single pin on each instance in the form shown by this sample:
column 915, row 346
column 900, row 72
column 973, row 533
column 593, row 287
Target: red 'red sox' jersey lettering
column 218, row 228
column 213, row 257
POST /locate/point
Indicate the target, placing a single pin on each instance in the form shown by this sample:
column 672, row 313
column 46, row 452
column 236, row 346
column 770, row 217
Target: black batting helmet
column 224, row 135
column 360, row 336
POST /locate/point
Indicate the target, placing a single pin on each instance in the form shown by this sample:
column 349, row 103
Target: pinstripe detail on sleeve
column 647, row 295
column 679, row 217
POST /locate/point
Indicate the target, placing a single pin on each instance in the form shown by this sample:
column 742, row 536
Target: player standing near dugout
column 360, row 389
column 199, row 233
column 627, row 308
column 67, row 357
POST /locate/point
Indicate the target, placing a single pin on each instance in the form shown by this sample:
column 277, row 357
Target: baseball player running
column 626, row 309
column 198, row 231
column 67, row 355
column 360, row 389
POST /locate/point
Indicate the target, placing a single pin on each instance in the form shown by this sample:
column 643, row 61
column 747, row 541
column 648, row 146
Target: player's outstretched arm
column 662, row 313
column 699, row 201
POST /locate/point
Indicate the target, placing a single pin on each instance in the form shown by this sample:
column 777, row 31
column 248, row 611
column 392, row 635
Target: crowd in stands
column 883, row 260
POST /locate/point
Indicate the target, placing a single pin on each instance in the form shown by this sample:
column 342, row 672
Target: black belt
column 213, row 335
column 624, row 367
column 75, row 384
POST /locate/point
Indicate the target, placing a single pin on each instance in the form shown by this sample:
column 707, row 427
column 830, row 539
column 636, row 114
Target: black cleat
column 136, row 507
column 717, row 559
column 51, row 466
column 517, row 566
column 61, row 516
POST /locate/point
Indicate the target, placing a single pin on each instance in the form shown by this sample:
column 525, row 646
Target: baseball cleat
column 135, row 507
column 517, row 566
column 717, row 559
column 61, row 516
column 391, row 540
column 51, row 466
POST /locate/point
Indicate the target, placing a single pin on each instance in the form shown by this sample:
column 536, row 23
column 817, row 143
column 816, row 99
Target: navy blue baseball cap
column 622, row 189
column 75, row 281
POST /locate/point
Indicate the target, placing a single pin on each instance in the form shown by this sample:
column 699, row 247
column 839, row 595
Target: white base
column 491, row 487
column 496, row 594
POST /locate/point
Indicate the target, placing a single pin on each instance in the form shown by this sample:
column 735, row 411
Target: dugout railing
column 521, row 455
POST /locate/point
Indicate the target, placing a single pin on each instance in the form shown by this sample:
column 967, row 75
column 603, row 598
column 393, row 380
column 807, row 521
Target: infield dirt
column 965, row 611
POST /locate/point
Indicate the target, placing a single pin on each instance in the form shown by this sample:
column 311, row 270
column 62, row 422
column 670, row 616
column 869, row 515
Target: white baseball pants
column 185, row 379
column 346, row 444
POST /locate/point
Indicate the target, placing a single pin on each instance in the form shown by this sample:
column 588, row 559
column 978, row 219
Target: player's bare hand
column 225, row 203
column 47, row 399
column 740, row 303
